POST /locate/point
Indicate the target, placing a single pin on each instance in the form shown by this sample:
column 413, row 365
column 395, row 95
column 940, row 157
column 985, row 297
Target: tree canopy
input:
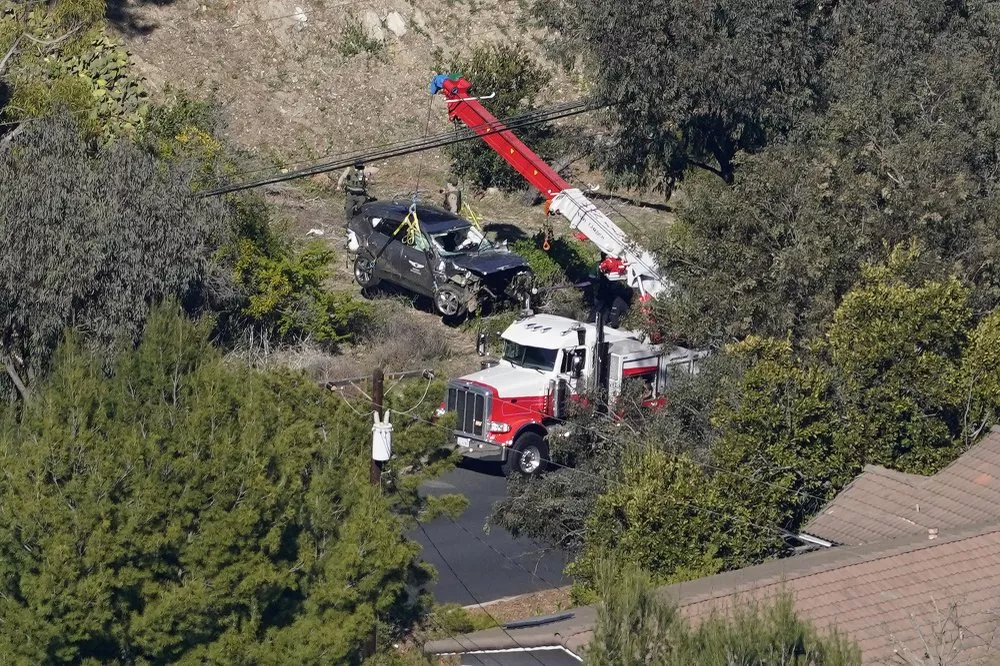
column 181, row 509
column 80, row 246
column 692, row 84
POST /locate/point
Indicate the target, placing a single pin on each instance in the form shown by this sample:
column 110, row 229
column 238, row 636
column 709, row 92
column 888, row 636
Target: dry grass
column 402, row 337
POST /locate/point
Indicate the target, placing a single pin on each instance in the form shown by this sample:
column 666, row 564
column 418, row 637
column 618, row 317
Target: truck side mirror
column 577, row 366
column 481, row 341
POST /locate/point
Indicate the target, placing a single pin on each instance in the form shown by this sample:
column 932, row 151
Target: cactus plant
column 117, row 102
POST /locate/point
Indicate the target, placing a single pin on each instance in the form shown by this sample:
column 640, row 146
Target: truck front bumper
column 479, row 449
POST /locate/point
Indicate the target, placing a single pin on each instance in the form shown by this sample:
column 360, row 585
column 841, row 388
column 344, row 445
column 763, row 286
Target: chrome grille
column 470, row 407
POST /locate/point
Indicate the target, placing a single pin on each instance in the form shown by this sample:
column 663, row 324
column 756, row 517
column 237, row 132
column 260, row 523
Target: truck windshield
column 529, row 357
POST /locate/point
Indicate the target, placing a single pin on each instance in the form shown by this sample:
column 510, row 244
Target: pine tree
column 176, row 508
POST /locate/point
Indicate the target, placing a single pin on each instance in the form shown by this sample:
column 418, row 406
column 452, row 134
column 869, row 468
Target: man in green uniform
column 355, row 185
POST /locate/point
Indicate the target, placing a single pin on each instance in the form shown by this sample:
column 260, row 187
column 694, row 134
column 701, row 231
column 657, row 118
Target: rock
column 419, row 18
column 300, row 19
column 372, row 25
column 396, row 24
column 321, row 179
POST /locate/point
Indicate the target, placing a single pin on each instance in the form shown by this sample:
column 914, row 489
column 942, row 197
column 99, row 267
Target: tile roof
column 884, row 504
column 892, row 597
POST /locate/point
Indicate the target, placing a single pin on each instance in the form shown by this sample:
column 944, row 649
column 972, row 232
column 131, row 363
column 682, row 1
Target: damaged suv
column 439, row 255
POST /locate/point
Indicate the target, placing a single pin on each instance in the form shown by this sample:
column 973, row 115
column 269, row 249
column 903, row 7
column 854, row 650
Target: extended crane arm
column 624, row 259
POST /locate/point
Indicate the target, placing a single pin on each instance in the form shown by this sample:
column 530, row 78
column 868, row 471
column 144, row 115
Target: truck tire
column 527, row 456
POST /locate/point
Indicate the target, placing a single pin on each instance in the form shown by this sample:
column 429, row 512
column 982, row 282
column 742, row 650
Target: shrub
column 89, row 73
column 636, row 625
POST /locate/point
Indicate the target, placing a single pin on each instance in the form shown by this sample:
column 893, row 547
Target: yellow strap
column 412, row 224
column 471, row 214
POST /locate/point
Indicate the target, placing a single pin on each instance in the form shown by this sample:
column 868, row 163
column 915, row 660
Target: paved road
column 488, row 574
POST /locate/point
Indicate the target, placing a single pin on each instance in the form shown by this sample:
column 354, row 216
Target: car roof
column 432, row 219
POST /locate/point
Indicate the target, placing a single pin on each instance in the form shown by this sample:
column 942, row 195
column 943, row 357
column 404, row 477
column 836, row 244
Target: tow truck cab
column 505, row 412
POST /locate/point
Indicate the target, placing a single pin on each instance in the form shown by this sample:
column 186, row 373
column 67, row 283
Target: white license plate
column 464, row 441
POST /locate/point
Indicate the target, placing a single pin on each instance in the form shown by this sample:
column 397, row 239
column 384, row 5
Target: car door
column 378, row 244
column 414, row 263
column 574, row 357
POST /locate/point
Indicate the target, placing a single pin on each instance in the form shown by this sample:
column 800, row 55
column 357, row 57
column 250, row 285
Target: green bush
column 566, row 260
column 448, row 620
column 636, row 625
column 172, row 507
column 285, row 293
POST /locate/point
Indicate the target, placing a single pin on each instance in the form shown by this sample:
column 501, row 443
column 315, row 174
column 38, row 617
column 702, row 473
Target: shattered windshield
column 462, row 239
column 535, row 358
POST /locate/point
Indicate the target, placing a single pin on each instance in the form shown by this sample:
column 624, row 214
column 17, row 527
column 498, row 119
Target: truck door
column 574, row 368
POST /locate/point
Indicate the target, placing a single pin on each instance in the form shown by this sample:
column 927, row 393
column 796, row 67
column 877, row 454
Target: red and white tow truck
column 506, row 412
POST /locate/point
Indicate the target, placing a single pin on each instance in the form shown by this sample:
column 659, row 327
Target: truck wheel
column 527, row 456
column 449, row 302
column 364, row 273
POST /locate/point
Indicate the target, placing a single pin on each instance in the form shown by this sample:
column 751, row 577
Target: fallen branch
column 50, row 42
column 9, row 136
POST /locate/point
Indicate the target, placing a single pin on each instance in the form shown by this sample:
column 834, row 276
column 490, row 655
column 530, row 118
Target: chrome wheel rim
column 531, row 459
column 447, row 303
column 363, row 270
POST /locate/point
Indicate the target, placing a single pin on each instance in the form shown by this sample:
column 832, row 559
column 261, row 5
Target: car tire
column 364, row 273
column 528, row 455
column 449, row 301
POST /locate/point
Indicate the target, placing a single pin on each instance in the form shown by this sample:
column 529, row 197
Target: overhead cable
column 400, row 149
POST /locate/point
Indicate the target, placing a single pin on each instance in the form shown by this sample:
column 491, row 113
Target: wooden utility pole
column 377, row 397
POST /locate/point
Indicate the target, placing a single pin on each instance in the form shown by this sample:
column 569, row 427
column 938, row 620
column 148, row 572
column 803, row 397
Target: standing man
column 452, row 197
column 354, row 181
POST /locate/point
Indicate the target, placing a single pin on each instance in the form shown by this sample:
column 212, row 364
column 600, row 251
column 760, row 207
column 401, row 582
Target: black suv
column 445, row 257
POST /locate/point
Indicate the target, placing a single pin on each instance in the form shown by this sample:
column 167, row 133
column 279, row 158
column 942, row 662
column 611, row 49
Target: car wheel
column 449, row 301
column 364, row 272
column 528, row 456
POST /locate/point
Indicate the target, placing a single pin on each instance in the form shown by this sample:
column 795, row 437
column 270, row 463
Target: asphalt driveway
column 472, row 553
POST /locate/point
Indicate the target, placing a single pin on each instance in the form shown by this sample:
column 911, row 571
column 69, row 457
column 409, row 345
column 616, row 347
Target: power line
column 548, row 114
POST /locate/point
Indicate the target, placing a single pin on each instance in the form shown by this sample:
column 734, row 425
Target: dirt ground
column 294, row 91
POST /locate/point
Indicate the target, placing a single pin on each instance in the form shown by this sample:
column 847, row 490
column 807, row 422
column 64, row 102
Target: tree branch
column 7, row 138
column 707, row 167
column 16, row 378
column 50, row 42
column 10, row 53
